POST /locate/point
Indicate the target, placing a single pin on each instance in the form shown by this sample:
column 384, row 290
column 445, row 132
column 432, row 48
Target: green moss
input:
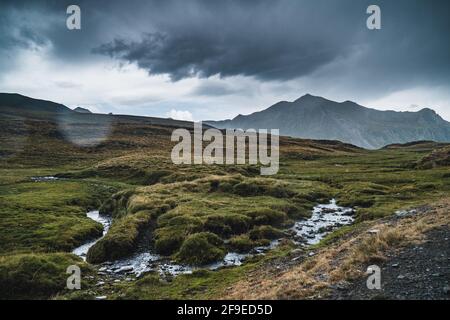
column 247, row 189
column 121, row 240
column 242, row 243
column 201, row 248
column 48, row 216
column 268, row 217
column 265, row 232
column 169, row 243
column 172, row 230
column 117, row 205
column 227, row 224
column 34, row 276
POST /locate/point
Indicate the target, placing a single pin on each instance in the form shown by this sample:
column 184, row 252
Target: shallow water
column 325, row 219
column 106, row 223
column 44, row 178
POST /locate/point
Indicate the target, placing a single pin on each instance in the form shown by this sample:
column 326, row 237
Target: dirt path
column 415, row 272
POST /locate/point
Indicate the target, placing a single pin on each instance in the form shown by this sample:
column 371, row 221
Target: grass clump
column 172, row 230
column 201, row 248
column 121, row 240
column 268, row 217
column 227, row 224
column 269, row 187
column 243, row 244
column 25, row 276
column 265, row 232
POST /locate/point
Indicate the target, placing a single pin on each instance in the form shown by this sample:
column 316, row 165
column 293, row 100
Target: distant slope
column 82, row 110
column 318, row 118
column 16, row 103
column 36, row 130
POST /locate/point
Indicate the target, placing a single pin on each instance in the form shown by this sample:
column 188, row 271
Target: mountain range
column 313, row 117
column 309, row 117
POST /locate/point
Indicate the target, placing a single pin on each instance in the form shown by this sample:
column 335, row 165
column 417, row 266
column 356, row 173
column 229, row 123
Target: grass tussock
column 201, row 248
column 32, row 276
column 121, row 240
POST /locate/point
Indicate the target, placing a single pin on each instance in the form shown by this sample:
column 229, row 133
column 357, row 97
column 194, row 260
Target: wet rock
column 401, row 276
column 325, row 229
column 101, row 298
column 395, row 265
column 100, row 283
column 291, row 233
column 436, row 275
column 405, row 213
column 124, row 269
column 300, row 239
column 373, row 231
column 348, row 213
column 446, row 290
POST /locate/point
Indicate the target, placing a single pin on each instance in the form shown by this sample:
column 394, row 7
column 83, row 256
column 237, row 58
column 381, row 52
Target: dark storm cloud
column 265, row 39
column 34, row 24
column 280, row 40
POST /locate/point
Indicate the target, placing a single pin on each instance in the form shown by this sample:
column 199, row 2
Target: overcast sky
column 212, row 59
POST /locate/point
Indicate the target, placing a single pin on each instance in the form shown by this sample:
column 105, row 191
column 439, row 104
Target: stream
column 82, row 250
column 325, row 218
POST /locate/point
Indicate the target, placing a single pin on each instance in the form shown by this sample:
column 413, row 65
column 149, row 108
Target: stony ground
column 415, row 272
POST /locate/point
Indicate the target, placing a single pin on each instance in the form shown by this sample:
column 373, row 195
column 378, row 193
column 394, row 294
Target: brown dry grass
column 344, row 260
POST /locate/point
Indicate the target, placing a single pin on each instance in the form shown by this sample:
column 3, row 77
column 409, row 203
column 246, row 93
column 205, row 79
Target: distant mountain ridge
column 14, row 105
column 82, row 110
column 313, row 117
column 14, row 102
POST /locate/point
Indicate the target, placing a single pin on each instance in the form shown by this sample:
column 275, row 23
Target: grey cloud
column 282, row 40
column 219, row 89
column 325, row 43
column 67, row 84
column 267, row 40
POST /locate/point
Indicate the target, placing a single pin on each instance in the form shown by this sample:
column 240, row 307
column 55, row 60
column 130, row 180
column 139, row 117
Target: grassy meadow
column 194, row 214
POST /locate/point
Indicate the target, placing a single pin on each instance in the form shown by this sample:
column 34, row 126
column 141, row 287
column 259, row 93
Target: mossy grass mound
column 34, row 276
column 265, row 232
column 227, row 224
column 122, row 238
column 243, row 244
column 201, row 248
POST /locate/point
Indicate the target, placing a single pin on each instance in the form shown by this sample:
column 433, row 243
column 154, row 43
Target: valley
column 172, row 227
